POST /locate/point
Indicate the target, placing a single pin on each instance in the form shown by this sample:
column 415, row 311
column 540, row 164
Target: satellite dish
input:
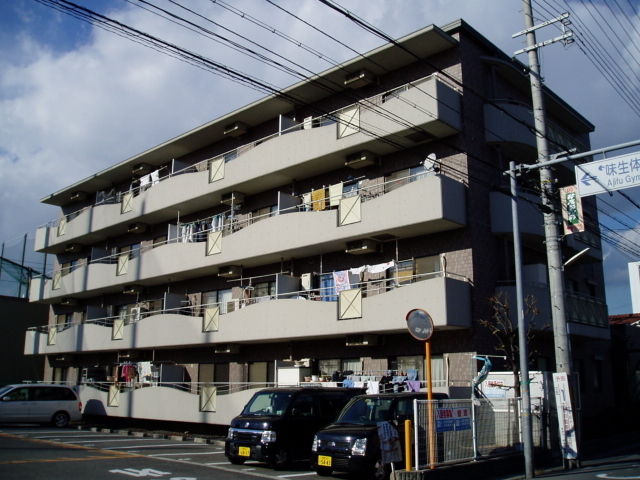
column 420, row 324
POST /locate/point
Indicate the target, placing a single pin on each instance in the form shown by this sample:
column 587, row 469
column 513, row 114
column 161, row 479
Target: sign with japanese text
column 453, row 419
column 566, row 423
column 572, row 219
column 609, row 174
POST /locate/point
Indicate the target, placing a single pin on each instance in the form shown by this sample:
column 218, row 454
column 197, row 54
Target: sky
column 75, row 99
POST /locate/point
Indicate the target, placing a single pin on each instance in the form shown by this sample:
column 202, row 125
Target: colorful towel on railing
column 341, row 281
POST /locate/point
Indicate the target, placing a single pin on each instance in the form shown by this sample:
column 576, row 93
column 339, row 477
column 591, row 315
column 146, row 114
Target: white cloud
column 65, row 114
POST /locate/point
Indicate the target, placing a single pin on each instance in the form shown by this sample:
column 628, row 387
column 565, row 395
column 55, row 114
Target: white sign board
column 610, row 174
column 565, row 416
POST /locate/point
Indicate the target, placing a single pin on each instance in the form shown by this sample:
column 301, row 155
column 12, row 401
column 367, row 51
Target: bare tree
column 505, row 331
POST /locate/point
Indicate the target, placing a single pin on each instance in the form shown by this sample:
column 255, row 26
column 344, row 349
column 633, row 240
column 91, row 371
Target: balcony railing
column 232, row 222
column 372, row 103
column 330, row 294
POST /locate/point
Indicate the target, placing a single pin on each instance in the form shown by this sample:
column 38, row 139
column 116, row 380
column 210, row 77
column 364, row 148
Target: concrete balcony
column 197, row 403
column 510, row 125
column 274, row 161
column 400, row 212
column 530, row 217
column 447, row 298
column 586, row 316
column 531, row 225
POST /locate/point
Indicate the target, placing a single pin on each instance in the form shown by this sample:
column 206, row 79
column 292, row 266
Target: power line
column 271, row 92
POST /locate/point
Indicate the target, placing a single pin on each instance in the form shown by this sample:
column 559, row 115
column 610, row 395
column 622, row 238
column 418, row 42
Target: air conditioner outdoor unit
column 359, row 79
column 226, row 349
column 141, row 169
column 132, row 289
column 78, row 196
column 360, row 160
column 361, row 340
column 232, row 198
column 230, row 271
column 73, row 248
column 137, row 228
column 306, row 280
column 360, row 247
column 235, row 129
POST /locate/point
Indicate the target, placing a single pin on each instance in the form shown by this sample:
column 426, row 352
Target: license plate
column 244, row 451
column 324, row 461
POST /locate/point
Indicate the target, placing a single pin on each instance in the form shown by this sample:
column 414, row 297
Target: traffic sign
column 609, row 174
column 420, row 324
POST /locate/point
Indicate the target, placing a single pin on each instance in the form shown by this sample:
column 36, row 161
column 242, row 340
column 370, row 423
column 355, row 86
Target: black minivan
column 278, row 424
column 351, row 443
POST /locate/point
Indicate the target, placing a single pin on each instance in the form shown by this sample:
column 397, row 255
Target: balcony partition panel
column 296, row 234
column 296, row 316
column 276, row 161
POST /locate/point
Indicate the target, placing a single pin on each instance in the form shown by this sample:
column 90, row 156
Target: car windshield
column 268, row 403
column 4, row 390
column 367, row 411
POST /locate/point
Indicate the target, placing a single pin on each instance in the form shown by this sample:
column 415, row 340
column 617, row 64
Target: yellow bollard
column 408, row 431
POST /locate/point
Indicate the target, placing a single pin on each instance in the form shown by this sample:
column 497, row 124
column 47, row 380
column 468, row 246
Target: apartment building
column 287, row 240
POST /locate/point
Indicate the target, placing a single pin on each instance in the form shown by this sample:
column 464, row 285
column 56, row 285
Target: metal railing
column 463, row 430
column 326, row 119
column 327, row 294
column 237, row 222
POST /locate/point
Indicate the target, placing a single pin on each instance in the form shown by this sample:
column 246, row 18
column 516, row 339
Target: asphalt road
column 69, row 454
column 624, row 467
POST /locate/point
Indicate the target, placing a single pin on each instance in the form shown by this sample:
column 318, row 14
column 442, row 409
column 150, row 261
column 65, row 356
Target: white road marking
column 156, row 446
column 289, row 475
column 80, row 436
column 616, row 477
column 106, row 441
column 215, row 463
column 178, row 454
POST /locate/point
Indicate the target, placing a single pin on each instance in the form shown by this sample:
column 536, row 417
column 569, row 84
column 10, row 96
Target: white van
column 39, row 403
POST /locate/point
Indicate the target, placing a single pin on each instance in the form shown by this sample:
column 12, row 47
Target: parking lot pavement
column 123, row 455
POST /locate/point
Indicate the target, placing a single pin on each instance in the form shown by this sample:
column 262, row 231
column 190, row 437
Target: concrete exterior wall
column 272, row 163
column 634, row 284
column 447, row 300
column 164, row 403
column 394, row 213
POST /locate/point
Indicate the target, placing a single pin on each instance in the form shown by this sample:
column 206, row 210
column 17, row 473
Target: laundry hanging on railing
column 341, row 281
column 146, row 181
column 193, row 231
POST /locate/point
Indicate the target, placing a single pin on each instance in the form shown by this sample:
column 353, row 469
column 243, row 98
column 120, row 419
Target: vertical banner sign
column 565, row 416
column 572, row 219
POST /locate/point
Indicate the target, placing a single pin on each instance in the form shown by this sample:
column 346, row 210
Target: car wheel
column 280, row 460
column 60, row 419
column 236, row 460
column 323, row 471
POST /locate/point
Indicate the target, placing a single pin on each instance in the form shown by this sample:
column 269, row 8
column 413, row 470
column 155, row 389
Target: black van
column 351, row 443
column 278, row 424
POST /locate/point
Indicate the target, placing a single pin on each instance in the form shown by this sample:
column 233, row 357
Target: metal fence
column 462, row 430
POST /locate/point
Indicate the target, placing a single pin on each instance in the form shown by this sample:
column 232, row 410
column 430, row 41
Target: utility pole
column 551, row 226
column 547, row 191
column 525, row 405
